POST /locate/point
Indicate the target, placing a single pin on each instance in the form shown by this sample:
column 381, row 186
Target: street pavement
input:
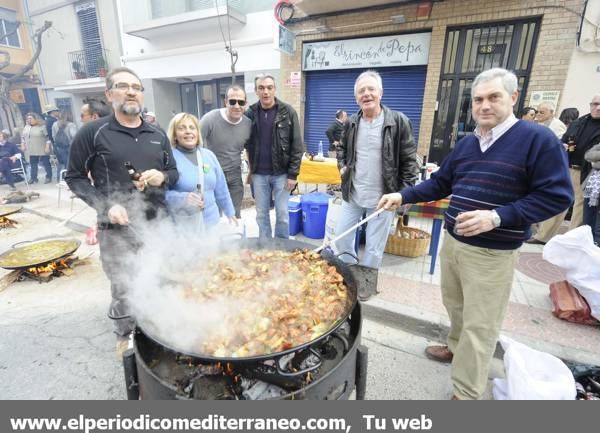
column 56, row 341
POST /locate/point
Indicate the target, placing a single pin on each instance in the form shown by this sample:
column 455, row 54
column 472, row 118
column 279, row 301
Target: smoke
column 174, row 296
column 173, row 259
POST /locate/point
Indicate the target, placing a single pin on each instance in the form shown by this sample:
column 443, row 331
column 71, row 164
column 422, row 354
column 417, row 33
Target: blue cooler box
column 295, row 214
column 314, row 214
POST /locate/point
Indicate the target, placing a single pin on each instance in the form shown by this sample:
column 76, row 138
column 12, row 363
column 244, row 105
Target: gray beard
column 128, row 109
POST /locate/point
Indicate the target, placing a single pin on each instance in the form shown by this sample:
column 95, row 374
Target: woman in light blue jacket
column 201, row 192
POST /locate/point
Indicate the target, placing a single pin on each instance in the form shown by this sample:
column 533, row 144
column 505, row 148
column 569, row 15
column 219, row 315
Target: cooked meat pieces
column 279, row 300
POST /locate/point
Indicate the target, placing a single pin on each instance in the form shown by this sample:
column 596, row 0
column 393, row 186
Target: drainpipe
column 581, row 22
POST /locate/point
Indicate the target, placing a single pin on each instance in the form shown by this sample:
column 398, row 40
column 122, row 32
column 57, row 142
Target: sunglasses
column 240, row 102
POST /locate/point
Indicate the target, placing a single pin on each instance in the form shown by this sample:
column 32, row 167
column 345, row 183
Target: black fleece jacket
column 101, row 148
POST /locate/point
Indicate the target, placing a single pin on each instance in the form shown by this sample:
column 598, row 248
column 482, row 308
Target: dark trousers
column 5, row 166
column 591, row 217
column 45, row 160
column 236, row 189
column 117, row 247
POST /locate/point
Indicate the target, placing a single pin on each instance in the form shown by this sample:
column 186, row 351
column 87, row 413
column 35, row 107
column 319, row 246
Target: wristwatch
column 496, row 221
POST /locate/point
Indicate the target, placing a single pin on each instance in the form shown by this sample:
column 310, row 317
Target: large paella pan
column 28, row 254
column 278, row 297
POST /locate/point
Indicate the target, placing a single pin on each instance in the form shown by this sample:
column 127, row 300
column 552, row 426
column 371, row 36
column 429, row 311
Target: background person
column 275, row 150
column 591, row 193
column 568, row 116
column 101, row 148
column 196, row 209
column 334, row 132
column 581, row 135
column 505, row 176
column 545, row 116
column 94, row 109
column 38, row 146
column 225, row 131
column 51, row 116
column 63, row 133
column 377, row 155
column 546, row 230
column 8, row 150
column 150, row 118
column 528, row 113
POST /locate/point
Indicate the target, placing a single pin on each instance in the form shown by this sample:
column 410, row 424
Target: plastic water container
column 295, row 214
column 314, row 214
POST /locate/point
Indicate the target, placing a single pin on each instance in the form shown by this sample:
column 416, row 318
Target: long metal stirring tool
column 347, row 232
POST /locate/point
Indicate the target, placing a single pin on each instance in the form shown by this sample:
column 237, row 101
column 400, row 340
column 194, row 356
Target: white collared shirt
column 486, row 141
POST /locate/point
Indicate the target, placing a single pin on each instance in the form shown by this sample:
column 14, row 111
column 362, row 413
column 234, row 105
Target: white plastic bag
column 333, row 211
column 532, row 375
column 576, row 253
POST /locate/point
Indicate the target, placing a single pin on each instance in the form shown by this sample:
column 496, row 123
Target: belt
column 575, row 166
column 109, row 226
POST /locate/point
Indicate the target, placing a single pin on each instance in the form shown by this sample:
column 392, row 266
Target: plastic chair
column 63, row 184
column 20, row 169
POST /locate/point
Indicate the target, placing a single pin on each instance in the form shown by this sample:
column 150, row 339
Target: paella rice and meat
column 286, row 299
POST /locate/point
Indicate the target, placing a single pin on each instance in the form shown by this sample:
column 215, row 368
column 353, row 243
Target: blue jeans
column 591, row 217
column 267, row 186
column 378, row 230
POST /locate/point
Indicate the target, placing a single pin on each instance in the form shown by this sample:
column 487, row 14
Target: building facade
column 429, row 52
column 184, row 50
column 17, row 50
column 82, row 45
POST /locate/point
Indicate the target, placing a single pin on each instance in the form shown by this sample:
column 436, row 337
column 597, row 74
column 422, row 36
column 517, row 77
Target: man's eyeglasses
column 594, row 104
column 240, row 102
column 126, row 86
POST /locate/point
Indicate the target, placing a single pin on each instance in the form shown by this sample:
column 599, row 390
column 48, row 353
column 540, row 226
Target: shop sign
column 544, row 96
column 294, row 80
column 378, row 52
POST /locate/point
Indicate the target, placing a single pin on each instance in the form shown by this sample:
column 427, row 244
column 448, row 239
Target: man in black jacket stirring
column 101, row 148
column 274, row 152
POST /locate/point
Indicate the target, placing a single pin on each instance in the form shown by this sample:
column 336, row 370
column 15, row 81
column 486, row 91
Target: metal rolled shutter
column 328, row 91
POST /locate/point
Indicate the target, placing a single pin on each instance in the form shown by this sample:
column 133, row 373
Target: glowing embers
column 7, row 223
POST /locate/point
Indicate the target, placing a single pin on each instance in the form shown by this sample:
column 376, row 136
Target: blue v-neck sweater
column 524, row 176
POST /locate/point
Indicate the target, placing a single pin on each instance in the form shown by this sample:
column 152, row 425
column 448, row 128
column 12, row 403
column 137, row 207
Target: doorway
column 468, row 51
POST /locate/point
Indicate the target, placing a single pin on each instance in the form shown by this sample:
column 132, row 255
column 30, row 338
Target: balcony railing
column 89, row 63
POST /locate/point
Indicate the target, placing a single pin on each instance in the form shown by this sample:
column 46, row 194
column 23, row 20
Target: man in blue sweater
column 506, row 176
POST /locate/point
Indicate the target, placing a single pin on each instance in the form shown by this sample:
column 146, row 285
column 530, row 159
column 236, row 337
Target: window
column 8, row 24
column 90, row 38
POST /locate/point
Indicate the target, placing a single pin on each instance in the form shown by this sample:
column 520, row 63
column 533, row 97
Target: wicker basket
column 403, row 242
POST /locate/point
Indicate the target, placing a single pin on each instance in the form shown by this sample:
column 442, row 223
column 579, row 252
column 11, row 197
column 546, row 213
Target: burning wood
column 44, row 273
column 62, row 266
column 7, row 223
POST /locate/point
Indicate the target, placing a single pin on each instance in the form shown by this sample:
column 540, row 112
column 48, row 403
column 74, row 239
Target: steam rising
column 167, row 277
column 170, row 256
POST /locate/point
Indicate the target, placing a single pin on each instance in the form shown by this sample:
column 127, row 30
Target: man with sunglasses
column 123, row 206
column 225, row 131
column 275, row 150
